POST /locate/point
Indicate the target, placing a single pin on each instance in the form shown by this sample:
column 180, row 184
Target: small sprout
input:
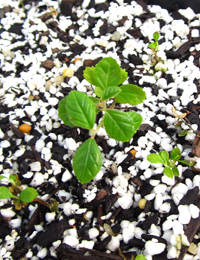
column 170, row 168
column 22, row 196
column 154, row 45
column 79, row 110
column 25, row 128
column 142, row 203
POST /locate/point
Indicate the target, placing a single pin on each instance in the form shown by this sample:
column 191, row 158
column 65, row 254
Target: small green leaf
column 155, row 158
column 87, row 161
column 28, row 195
column 187, row 162
column 175, row 171
column 165, row 156
column 2, row 177
column 153, row 45
column 140, row 257
column 124, row 76
column 110, row 92
column 5, row 193
column 119, row 125
column 168, row 172
column 137, row 119
column 62, row 112
column 98, row 91
column 130, row 94
column 183, row 133
column 175, row 154
column 107, row 73
column 89, row 75
column 156, row 36
column 80, row 109
column 95, row 101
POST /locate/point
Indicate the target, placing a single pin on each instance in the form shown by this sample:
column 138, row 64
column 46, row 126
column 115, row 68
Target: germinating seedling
column 79, row 110
column 154, row 45
column 170, row 168
column 22, row 196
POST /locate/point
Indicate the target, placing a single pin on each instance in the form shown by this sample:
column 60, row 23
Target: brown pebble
column 48, row 64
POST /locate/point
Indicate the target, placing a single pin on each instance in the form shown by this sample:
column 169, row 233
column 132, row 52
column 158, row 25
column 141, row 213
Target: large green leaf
column 80, row 109
column 119, row 125
column 62, row 112
column 110, row 92
column 5, row 193
column 108, row 73
column 137, row 119
column 28, row 195
column 130, row 94
column 87, row 161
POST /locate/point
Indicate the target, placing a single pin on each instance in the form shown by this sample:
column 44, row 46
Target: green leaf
column 110, row 92
column 124, row 76
column 2, row 177
column 155, row 158
column 119, row 125
column 89, row 75
column 175, row 171
column 156, row 36
column 183, row 133
column 137, row 119
column 98, row 91
column 153, row 45
column 62, row 112
column 87, row 161
column 5, row 193
column 131, row 94
column 28, row 195
column 168, row 172
column 140, row 257
column 165, row 156
column 107, row 73
column 175, row 154
column 187, row 162
column 95, row 100
column 80, row 109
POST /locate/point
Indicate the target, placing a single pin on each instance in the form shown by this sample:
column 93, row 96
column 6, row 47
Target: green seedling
column 79, row 110
column 154, row 45
column 156, row 61
column 22, row 196
column 15, row 191
column 170, row 168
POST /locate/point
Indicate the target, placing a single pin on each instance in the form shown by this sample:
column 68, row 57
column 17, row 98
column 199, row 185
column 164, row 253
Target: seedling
column 181, row 118
column 154, row 45
column 79, row 110
column 22, row 197
column 159, row 64
column 170, row 168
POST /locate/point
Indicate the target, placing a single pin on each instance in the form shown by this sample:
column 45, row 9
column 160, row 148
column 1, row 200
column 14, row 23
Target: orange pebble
column 25, row 128
column 133, row 152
